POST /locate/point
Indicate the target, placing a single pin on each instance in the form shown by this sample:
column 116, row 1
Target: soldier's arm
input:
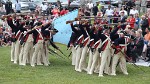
column 73, row 29
column 83, row 31
column 10, row 23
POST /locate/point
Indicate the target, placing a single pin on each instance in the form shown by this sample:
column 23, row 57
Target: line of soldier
column 104, row 47
column 30, row 39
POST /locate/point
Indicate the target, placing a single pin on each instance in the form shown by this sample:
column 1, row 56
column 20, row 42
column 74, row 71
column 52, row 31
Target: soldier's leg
column 12, row 51
column 26, row 53
column 44, row 58
column 17, row 51
column 21, row 55
column 83, row 58
column 39, row 57
column 104, row 57
column 97, row 65
column 90, row 61
column 47, row 55
column 95, row 56
column 37, row 47
column 78, row 55
column 31, row 52
column 114, row 63
column 123, row 65
column 73, row 50
column 107, row 65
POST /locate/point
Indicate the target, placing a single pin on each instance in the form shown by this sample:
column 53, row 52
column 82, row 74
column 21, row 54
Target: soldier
column 38, row 42
column 12, row 38
column 97, row 44
column 71, row 43
column 85, row 30
column 120, row 45
column 105, row 51
column 17, row 35
column 78, row 46
column 28, row 43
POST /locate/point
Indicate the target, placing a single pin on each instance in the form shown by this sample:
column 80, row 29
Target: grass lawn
column 62, row 72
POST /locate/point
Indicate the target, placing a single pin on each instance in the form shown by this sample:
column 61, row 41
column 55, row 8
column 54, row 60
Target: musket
column 61, row 52
column 55, row 53
column 57, row 48
column 69, row 54
column 71, row 21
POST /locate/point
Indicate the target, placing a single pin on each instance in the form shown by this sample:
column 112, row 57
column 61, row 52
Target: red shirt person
column 131, row 21
column 55, row 11
column 64, row 11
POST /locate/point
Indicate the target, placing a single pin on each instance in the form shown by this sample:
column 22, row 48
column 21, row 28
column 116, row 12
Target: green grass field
column 62, row 72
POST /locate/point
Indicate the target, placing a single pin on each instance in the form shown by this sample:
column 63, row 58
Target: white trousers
column 21, row 55
column 121, row 57
column 42, row 56
column 73, row 50
column 78, row 55
column 17, row 51
column 12, row 51
column 38, row 47
column 90, row 60
column 94, row 62
column 105, row 61
column 82, row 63
column 28, row 52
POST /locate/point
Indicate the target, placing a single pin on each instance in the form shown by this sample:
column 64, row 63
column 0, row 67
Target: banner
column 64, row 34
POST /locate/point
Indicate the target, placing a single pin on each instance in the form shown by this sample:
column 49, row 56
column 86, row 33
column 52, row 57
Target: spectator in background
column 144, row 24
column 55, row 12
column 95, row 10
column 138, row 5
column 2, row 9
column 136, row 46
column 99, row 5
column 131, row 21
column 17, row 7
column 124, row 4
column 137, row 21
column 49, row 9
column 44, row 8
column 6, row 40
column 123, row 17
column 130, row 4
column 123, row 10
column 90, row 5
column 133, row 11
column 32, row 6
column 109, row 14
column 59, row 5
column 115, row 14
column 64, row 11
column 146, row 43
column 143, row 6
column 8, row 7
column 103, row 10
column 38, row 10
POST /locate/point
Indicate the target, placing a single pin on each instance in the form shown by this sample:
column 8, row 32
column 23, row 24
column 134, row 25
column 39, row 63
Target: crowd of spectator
column 5, row 37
